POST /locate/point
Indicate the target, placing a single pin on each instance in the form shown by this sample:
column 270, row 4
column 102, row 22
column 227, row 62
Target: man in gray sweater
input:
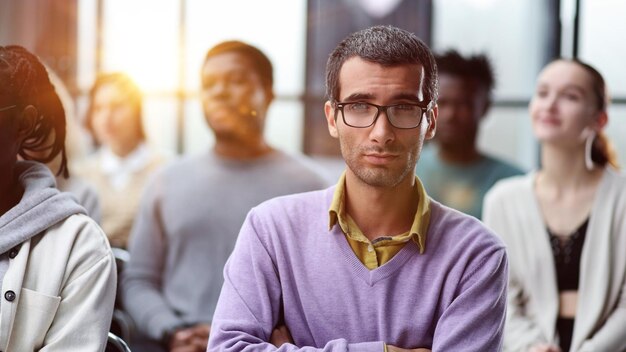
column 193, row 209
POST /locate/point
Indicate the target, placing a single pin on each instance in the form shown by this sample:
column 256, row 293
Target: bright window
column 148, row 39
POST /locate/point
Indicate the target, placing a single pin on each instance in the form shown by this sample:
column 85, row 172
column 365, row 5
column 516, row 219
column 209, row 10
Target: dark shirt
column 567, row 253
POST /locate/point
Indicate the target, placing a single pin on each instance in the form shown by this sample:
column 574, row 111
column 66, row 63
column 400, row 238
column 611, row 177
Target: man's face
column 234, row 99
column 380, row 155
column 462, row 103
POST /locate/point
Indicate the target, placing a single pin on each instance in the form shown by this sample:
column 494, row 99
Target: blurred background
column 161, row 44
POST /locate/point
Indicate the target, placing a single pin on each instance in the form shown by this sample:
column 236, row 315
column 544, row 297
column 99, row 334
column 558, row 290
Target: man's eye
column 406, row 107
column 359, row 107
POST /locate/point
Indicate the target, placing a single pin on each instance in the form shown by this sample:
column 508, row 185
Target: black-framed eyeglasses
column 7, row 108
column 362, row 114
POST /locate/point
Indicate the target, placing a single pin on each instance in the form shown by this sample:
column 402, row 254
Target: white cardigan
column 59, row 290
column 511, row 210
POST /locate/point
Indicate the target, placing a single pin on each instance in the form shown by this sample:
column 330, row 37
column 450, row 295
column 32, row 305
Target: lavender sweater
column 288, row 267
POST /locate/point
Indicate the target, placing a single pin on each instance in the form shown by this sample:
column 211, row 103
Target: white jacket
column 512, row 211
column 59, row 290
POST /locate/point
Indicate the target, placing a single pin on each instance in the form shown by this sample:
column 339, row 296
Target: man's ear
column 330, row 119
column 485, row 108
column 27, row 123
column 431, row 118
column 269, row 96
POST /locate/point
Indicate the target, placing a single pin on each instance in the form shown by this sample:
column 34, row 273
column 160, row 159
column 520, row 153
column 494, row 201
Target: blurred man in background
column 454, row 171
column 192, row 211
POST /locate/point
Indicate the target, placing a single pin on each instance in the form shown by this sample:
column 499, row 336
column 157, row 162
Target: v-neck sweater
column 288, row 267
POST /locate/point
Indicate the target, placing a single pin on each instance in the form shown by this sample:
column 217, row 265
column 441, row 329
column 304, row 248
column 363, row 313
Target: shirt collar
column 419, row 228
column 134, row 161
column 120, row 171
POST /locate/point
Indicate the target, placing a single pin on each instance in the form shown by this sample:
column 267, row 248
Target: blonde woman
column 565, row 224
column 124, row 161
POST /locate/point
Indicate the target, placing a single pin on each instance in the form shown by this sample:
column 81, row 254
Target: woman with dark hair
column 56, row 267
column 123, row 162
column 565, row 224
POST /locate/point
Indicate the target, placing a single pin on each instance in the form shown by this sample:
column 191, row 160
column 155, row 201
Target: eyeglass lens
column 365, row 114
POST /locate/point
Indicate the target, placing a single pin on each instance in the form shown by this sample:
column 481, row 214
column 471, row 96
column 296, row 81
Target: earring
column 588, row 145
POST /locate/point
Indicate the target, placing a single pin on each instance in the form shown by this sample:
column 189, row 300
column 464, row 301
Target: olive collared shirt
column 379, row 251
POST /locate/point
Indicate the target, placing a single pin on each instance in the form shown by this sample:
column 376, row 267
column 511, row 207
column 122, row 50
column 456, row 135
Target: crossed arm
column 248, row 310
column 281, row 335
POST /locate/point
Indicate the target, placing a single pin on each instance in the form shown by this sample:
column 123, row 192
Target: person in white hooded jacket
column 57, row 272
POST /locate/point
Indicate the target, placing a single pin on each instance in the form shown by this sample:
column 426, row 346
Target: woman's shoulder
column 77, row 232
column 612, row 189
column 86, row 166
column 616, row 177
column 158, row 157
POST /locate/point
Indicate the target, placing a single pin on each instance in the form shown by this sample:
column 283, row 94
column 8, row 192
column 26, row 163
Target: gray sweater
column 186, row 228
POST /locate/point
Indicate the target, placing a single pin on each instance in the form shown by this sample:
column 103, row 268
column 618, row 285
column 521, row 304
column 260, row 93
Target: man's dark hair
column 476, row 68
column 387, row 46
column 260, row 62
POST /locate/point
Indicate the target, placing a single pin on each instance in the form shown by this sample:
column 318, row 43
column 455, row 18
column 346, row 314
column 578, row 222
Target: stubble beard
column 381, row 177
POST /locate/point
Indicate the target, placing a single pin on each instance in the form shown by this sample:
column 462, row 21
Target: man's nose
column 382, row 130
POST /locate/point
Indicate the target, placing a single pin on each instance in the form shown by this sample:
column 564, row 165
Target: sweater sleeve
column 249, row 304
column 474, row 321
column 611, row 336
column 521, row 331
column 86, row 301
column 143, row 274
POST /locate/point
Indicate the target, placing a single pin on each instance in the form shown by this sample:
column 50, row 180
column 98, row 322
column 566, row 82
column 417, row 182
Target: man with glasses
column 371, row 264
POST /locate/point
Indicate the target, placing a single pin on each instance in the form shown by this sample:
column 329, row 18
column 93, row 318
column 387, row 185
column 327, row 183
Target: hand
column 280, row 335
column 391, row 348
column 544, row 347
column 191, row 339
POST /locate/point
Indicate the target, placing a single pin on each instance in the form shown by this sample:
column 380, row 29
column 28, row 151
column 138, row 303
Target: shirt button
column 12, row 254
column 9, row 296
column 370, row 248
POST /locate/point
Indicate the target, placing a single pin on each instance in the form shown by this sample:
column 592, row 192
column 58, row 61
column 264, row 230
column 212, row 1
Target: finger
column 278, row 337
column 185, row 348
column 203, row 331
column 183, row 334
column 200, row 343
column 181, row 338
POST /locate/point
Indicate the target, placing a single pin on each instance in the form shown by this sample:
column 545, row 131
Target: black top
column 567, row 252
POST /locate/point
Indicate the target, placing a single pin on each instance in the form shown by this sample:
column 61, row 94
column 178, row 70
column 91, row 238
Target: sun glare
column 141, row 38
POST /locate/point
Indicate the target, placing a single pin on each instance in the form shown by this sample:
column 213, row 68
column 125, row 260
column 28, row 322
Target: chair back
column 116, row 344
